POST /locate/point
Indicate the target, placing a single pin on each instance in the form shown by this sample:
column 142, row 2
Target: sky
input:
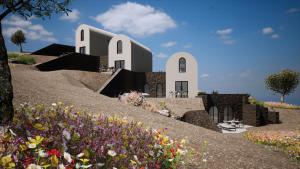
column 237, row 43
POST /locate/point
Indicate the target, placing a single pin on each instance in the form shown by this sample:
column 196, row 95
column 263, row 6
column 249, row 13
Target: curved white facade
column 125, row 55
column 182, row 82
column 93, row 41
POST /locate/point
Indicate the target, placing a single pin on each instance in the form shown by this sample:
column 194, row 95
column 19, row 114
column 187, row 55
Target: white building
column 181, row 76
column 121, row 51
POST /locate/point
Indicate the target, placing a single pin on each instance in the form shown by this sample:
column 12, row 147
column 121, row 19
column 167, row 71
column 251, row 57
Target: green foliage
column 18, row 38
column 12, row 55
column 253, row 100
column 284, row 82
column 23, row 59
column 26, row 59
column 38, row 8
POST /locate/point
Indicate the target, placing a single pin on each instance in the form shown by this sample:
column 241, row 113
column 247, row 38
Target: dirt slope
column 224, row 151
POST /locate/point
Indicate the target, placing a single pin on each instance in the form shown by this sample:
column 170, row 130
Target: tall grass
column 22, row 58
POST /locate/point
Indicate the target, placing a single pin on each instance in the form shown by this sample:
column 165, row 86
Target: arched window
column 146, row 89
column 82, row 35
column 214, row 114
column 159, row 90
column 228, row 114
column 119, row 47
column 182, row 65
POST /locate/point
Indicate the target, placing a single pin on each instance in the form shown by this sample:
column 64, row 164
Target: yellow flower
column 39, row 126
column 37, row 140
column 7, row 162
column 54, row 161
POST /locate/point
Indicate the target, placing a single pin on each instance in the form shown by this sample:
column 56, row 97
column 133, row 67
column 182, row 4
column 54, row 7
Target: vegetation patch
column 59, row 137
column 21, row 58
column 287, row 141
column 252, row 100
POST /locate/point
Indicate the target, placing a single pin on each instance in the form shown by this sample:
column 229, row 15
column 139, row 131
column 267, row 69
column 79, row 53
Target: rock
column 199, row 118
column 164, row 112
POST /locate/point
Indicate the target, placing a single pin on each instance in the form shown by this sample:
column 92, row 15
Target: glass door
column 181, row 88
column 119, row 64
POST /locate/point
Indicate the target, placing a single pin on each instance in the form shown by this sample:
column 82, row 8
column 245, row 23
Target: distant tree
column 284, row 83
column 18, row 38
column 25, row 9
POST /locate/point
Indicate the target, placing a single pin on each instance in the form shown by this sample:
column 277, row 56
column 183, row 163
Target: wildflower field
column 59, row 137
column 287, row 141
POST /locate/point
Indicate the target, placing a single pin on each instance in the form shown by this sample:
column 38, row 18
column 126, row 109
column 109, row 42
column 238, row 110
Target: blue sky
column 236, row 43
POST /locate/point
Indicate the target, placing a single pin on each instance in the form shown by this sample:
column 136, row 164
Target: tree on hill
column 18, row 38
column 284, row 82
column 25, row 9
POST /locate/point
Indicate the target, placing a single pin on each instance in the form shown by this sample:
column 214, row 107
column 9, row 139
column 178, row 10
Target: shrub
column 23, row 59
column 62, row 138
column 281, row 105
column 288, row 141
column 26, row 59
column 13, row 55
column 252, row 100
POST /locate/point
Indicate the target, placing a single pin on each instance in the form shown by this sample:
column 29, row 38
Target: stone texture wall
column 255, row 115
column 221, row 101
column 199, row 118
column 127, row 81
column 273, row 117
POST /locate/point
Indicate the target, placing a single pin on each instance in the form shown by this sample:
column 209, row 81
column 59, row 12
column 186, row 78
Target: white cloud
column 224, row 32
column 204, row 75
column 293, row 10
column 32, row 31
column 275, row 36
column 270, row 32
column 72, row 16
column 135, row 19
column 225, row 36
column 187, row 46
column 267, row 30
column 169, row 44
column 161, row 55
column 245, row 73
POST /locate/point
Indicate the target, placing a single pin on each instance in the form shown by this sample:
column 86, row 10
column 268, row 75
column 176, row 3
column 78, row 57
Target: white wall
column 85, row 42
column 173, row 74
column 126, row 51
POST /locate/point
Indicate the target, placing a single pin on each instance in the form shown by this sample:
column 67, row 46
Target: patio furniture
column 226, row 126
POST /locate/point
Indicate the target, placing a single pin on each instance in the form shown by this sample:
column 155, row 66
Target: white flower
column 171, row 159
column 77, row 165
column 111, row 153
column 33, row 166
column 68, row 157
column 67, row 134
column 54, row 104
column 32, row 145
column 151, row 153
column 80, row 155
column 42, row 153
column 204, row 160
column 100, row 164
column 12, row 133
column 61, row 166
column 86, row 166
column 115, row 168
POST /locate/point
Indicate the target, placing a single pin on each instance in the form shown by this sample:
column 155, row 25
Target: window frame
column 82, row 35
column 180, row 68
column 119, row 47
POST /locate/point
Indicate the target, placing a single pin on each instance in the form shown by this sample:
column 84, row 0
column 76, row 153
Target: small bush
column 26, row 59
column 13, row 55
column 59, row 137
column 23, row 59
column 253, row 100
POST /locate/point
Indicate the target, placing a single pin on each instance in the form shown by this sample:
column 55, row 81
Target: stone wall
column 221, row 101
column 199, row 118
column 126, row 81
column 255, row 115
